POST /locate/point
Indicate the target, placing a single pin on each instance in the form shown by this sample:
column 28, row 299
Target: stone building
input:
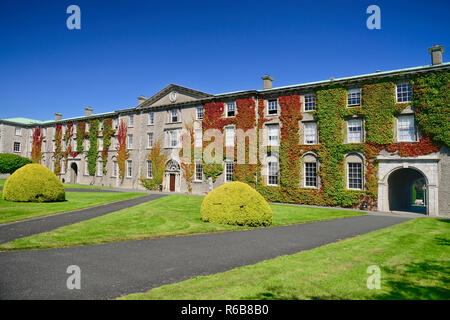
column 418, row 183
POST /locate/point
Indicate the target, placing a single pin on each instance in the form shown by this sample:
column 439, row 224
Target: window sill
column 197, row 181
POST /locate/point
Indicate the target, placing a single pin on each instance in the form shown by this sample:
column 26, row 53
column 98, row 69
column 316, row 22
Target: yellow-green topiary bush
column 33, row 183
column 236, row 203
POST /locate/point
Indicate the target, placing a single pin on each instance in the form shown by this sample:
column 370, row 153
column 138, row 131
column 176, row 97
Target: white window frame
column 18, row 144
column 18, row 131
column 273, row 139
column 131, row 121
column 151, row 118
column 310, row 102
column 408, row 92
column 229, row 138
column 270, row 104
column 348, row 175
column 233, row 105
column 149, row 169
column 305, row 176
column 169, row 138
column 129, row 168
column 100, row 168
column 269, row 175
column 350, row 134
column 229, row 164
column 115, row 169
column 196, row 172
column 150, row 139
column 401, row 128
column 307, row 130
column 174, row 114
column 129, row 141
column 198, row 113
column 350, row 93
column 198, row 142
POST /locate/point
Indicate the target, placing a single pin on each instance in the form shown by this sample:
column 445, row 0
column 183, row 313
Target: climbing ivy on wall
column 81, row 135
column 107, row 133
column 92, row 153
column 68, row 134
column 57, row 153
column 122, row 152
column 245, row 120
column 36, row 147
column 431, row 101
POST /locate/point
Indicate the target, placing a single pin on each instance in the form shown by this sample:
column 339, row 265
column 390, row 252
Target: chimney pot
column 436, row 54
column 58, row 116
column 267, row 82
column 88, row 111
column 141, row 99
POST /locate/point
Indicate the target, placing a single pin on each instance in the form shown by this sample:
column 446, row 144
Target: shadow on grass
column 431, row 281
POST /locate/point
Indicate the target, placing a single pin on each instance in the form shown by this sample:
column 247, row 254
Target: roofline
column 244, row 93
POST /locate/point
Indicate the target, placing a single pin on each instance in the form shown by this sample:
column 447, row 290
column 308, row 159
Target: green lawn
column 414, row 259
column 68, row 185
column 83, row 186
column 15, row 211
column 169, row 216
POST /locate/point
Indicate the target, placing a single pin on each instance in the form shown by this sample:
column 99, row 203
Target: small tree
column 158, row 159
column 36, row 148
column 122, row 153
column 188, row 162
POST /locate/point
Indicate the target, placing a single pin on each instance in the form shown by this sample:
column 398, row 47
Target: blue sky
column 130, row 48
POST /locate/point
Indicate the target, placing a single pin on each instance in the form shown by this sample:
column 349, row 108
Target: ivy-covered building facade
column 377, row 141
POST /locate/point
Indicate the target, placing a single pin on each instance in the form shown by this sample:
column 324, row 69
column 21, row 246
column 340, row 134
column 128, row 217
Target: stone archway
column 426, row 166
column 172, row 179
column 408, row 191
column 73, row 173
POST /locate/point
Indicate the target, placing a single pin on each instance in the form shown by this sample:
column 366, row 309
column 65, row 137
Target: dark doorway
column 407, row 191
column 73, row 173
column 172, row 182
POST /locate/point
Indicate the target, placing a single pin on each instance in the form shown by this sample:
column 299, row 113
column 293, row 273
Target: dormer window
column 231, row 109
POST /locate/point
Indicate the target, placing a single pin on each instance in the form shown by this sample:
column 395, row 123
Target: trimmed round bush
column 33, row 183
column 11, row 162
column 236, row 203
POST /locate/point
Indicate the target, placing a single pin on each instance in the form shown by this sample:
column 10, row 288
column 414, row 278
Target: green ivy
column 431, row 101
column 92, row 153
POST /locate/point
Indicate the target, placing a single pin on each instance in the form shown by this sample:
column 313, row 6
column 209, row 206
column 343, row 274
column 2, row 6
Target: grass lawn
column 15, row 211
column 414, row 259
column 68, row 185
column 83, row 186
column 169, row 216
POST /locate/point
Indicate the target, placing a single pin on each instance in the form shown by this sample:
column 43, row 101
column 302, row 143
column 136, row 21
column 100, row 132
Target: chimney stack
column 436, row 54
column 267, row 82
column 58, row 116
column 141, row 99
column 88, row 111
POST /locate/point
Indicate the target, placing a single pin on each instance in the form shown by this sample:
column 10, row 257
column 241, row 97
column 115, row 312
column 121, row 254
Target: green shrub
column 33, row 183
column 11, row 162
column 236, row 203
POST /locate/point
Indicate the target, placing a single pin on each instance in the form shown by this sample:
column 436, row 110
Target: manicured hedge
column 236, row 203
column 11, row 162
column 33, row 183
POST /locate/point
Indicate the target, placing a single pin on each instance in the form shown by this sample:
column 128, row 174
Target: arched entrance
column 408, row 191
column 73, row 173
column 172, row 176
